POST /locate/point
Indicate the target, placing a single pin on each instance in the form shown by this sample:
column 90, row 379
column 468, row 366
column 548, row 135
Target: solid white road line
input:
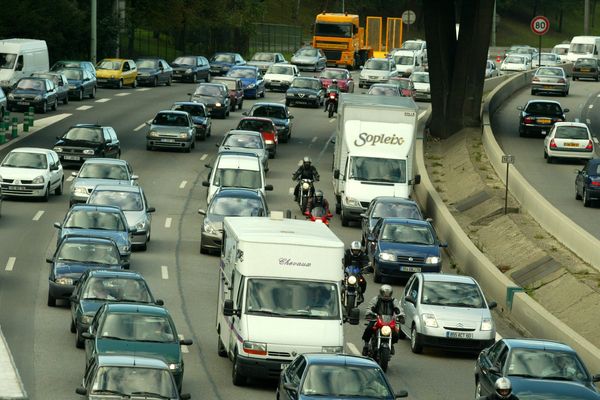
column 182, row 184
column 140, row 126
column 353, row 349
column 10, row 264
column 203, row 157
column 70, row 178
column 164, row 272
column 168, row 222
column 83, row 108
column 421, row 114
column 184, row 349
column 123, row 94
column 103, row 100
column 596, row 140
column 38, row 215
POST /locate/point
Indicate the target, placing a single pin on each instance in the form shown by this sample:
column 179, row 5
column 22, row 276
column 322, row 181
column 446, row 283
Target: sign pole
column 507, row 159
column 540, row 52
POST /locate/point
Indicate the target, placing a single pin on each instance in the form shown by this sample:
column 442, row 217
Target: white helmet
column 355, row 247
column 503, row 387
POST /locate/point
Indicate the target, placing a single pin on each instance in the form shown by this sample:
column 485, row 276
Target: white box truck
column 279, row 294
column 20, row 58
column 374, row 151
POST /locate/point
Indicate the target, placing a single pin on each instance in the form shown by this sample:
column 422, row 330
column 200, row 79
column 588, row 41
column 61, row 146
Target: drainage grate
column 535, row 271
column 471, row 201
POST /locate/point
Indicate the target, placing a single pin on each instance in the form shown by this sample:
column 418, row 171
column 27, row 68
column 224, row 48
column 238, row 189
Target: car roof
column 100, row 160
column 262, row 103
column 115, row 272
column 188, row 103
column 540, row 344
column 95, row 207
column 307, row 78
column 118, row 188
column 405, row 221
column 213, row 84
column 262, row 119
column 544, row 101
column 419, row 73
column 571, row 123
column 335, row 69
column 176, row 112
column 149, row 58
column 126, row 360
column 243, row 132
column 339, row 359
column 31, row 150
column 116, row 59
column 385, row 85
column 437, row 277
column 96, row 126
column 252, row 67
column 226, row 78
column 379, row 58
column 225, row 52
column 136, row 308
column 392, row 199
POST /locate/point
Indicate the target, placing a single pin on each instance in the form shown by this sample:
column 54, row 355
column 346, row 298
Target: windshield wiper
column 112, row 338
column 266, row 312
column 557, row 378
column 461, row 305
column 153, row 341
column 526, row 376
column 151, row 394
column 108, row 391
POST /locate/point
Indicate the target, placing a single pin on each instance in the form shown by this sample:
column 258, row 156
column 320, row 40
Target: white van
column 583, row 46
column 408, row 62
column 236, row 169
column 279, row 294
column 562, row 50
column 20, row 58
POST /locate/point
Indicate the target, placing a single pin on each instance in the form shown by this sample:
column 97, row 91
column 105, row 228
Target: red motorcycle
column 380, row 346
column 331, row 104
column 318, row 213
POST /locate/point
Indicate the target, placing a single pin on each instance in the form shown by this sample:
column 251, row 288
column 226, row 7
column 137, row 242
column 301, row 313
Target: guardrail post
column 15, row 127
column 510, row 293
column 31, row 114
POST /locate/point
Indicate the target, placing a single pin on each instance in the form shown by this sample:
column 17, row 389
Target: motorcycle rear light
column 590, row 146
column 552, row 144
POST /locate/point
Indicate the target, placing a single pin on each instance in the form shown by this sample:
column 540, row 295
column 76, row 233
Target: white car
column 548, row 60
column 490, row 69
column 514, row 63
column 377, row 70
column 568, row 140
column 31, row 172
column 420, row 81
column 447, row 311
column 280, row 76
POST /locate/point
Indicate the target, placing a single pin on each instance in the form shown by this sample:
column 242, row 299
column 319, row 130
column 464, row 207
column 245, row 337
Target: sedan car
column 60, row 83
column 31, row 172
column 263, row 60
column 99, row 286
column 99, row 171
column 40, row 93
column 138, row 328
column 405, row 85
column 399, row 247
column 280, row 76
column 101, row 221
column 200, row 117
column 86, row 141
column 538, row 116
column 490, row 69
column 309, row 58
column 305, row 91
column 550, row 80
column 341, row 75
column 252, row 81
column 384, row 89
column 515, row 63
column 191, row 69
column 228, row 202
column 279, row 114
column 221, row 63
column 73, row 256
column 334, row 376
column 586, row 68
column 377, row 70
column 267, row 129
column 132, row 201
column 63, row 64
column 422, row 86
column 246, row 142
column 116, row 72
column 547, row 60
column 171, row 129
column 129, row 376
column 235, row 88
column 537, row 369
column 386, row 207
column 82, row 83
column 215, row 96
column 153, row 72
column 587, row 182
column 568, row 140
column 446, row 311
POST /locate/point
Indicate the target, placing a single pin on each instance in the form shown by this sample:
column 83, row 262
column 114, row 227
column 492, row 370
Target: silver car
column 377, row 70
column 133, row 203
column 246, row 142
column 172, row 129
column 99, row 171
column 446, row 311
column 309, row 58
column 550, row 80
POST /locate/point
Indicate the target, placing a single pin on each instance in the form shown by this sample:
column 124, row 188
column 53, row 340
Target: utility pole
column 493, row 41
column 117, row 14
column 93, row 39
column 586, row 17
column 343, row 6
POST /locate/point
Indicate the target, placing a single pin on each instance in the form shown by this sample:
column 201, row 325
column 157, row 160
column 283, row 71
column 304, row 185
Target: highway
column 44, row 349
column 556, row 182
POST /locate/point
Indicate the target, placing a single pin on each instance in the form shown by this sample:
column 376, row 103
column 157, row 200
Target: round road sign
column 409, row 17
column 540, row 25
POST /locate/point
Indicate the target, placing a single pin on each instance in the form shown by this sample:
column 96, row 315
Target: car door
column 292, row 375
column 579, row 179
column 116, row 143
column 372, row 240
column 90, row 344
column 51, row 94
column 260, row 83
column 491, row 364
column 55, row 170
column 409, row 303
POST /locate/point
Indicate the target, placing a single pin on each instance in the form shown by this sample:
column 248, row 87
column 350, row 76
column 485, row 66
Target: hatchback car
column 341, row 75
column 334, row 376
column 63, row 64
column 550, row 80
column 280, row 76
column 568, row 140
column 386, row 207
column 82, row 83
column 235, row 88
column 252, row 80
column 86, row 141
column 215, row 96
column 40, row 93
column 200, row 117
column 101, row 221
column 263, row 60
column 537, row 369
column 99, row 286
column 279, row 114
column 538, row 116
column 405, row 85
column 587, row 182
column 228, row 202
column 384, row 89
column 305, row 91
column 60, row 81
column 221, row 63
column 73, row 256
column 377, row 70
column 191, row 69
column 171, row 129
column 137, row 328
column 515, row 63
column 446, row 311
column 267, row 129
column 586, row 68
column 99, row 171
column 116, row 72
column 422, row 86
column 154, row 72
column 547, row 60
column 132, row 201
column 246, row 142
column 31, row 172
column 399, row 247
column 309, row 58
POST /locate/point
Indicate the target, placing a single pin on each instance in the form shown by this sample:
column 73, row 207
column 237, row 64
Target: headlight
column 88, row 151
column 141, row 225
column 217, row 104
column 87, row 319
column 430, row 321
column 58, row 149
column 269, row 142
column 255, row 348
column 332, row 349
column 80, row 190
column 386, row 330
column 188, row 71
column 175, row 366
column 352, row 202
column 153, row 133
column 72, row 86
column 432, row 260
column 183, row 135
column 352, row 280
column 225, row 68
column 38, row 98
column 312, row 96
column 64, row 281
column 251, row 86
column 387, row 257
column 38, row 179
column 487, row 324
column 208, row 228
column 11, row 96
column 125, row 249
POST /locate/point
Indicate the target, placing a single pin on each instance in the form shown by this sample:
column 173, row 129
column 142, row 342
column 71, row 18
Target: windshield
column 561, row 51
column 226, row 58
column 378, row 169
column 404, row 60
column 379, row 65
column 205, row 90
column 116, row 288
column 243, row 141
column 384, row 91
column 137, row 327
column 112, row 65
column 147, row 63
column 280, row 69
column 333, row 30
column 288, row 298
column 581, row 48
column 336, row 381
column 7, row 60
column 407, row 233
column 192, row 109
column 91, row 253
column 127, row 201
column 170, row 119
column 514, row 60
column 103, row 171
column 242, row 73
column 333, row 74
column 546, row 364
column 185, row 61
column 411, row 46
column 66, row 64
column 85, row 134
column 385, row 210
column 423, row 78
column 131, row 380
column 73, row 74
column 307, row 52
column 88, row 219
column 236, row 207
column 306, row 83
column 17, row 159
column 31, row 84
column 230, row 83
column 452, row 294
column 256, row 125
column 269, row 112
column 263, row 57
column 548, row 57
column 244, row 178
column 571, row 132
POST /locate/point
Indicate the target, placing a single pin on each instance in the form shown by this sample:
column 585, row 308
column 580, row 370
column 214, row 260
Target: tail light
column 529, row 120
column 595, row 183
column 590, row 146
column 557, row 120
column 552, row 144
column 332, row 96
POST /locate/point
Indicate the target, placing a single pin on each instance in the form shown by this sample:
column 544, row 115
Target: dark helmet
column 319, row 196
column 386, row 292
column 503, row 388
column 334, row 82
column 355, row 247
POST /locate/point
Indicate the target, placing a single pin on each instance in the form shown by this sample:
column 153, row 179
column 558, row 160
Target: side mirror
column 186, row 342
column 134, row 177
column 430, row 220
column 401, row 394
column 73, row 298
column 492, row 305
column 151, row 210
column 202, row 212
column 49, row 260
column 245, row 113
column 354, row 316
column 291, row 117
column 228, row 310
column 596, row 378
column 444, row 245
column 81, row 391
column 268, row 187
column 363, row 215
column 190, row 94
column 87, row 335
column 74, row 174
column 57, row 225
column 495, row 370
column 416, row 180
column 290, row 386
column 336, row 174
column 208, row 166
column 159, row 302
column 205, row 184
column 410, row 299
column 566, row 110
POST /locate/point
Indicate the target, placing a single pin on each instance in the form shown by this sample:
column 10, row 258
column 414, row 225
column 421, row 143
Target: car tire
column 55, row 105
column 236, row 377
column 169, row 81
column 195, row 78
column 345, row 221
column 73, row 329
column 51, row 300
column 577, row 195
column 203, row 250
column 134, row 84
column 221, row 350
column 79, row 341
column 240, row 104
column 207, row 78
column 188, row 149
column 208, row 133
column 149, row 147
column 586, row 199
column 66, row 99
column 533, row 92
column 46, row 196
column 377, row 278
column 144, row 246
column 477, row 389
column 59, row 189
column 549, row 159
column 44, row 108
column 155, row 82
column 288, row 103
column 93, row 94
column 120, row 84
column 415, row 341
column 80, row 95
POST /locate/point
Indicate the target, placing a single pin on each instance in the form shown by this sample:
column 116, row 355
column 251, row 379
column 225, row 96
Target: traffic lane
column 556, row 182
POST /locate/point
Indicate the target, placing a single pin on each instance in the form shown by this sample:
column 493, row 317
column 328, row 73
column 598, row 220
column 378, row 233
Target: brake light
column 590, row 146
column 595, row 183
column 528, row 120
column 552, row 144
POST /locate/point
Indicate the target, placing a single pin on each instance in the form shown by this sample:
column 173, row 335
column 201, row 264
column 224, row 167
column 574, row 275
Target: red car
column 342, row 75
column 236, row 90
column 407, row 88
column 267, row 129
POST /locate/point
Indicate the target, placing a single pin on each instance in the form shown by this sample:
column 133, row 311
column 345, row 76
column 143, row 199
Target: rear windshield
column 549, row 72
column 269, row 112
column 544, row 108
column 571, row 132
column 255, row 125
column 587, row 62
column 168, row 119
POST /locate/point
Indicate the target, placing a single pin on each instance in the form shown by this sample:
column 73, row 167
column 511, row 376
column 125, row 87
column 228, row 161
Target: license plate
column 71, row 158
column 102, row 80
column 544, row 132
column 571, row 144
column 283, row 365
column 410, row 269
column 23, row 103
column 585, row 70
column 16, row 188
column 168, row 140
column 459, row 335
column 543, row 120
column 548, row 87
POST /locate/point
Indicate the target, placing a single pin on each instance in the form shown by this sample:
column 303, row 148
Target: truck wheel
column 221, row 351
column 236, row 377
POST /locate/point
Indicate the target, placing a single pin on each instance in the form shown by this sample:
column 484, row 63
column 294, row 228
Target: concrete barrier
column 11, row 386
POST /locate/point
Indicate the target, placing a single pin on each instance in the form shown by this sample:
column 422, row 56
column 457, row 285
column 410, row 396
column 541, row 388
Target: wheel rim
column 413, row 335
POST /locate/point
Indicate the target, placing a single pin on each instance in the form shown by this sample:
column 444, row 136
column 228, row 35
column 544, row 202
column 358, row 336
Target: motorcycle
column 380, row 346
column 304, row 192
column 318, row 213
column 331, row 104
column 352, row 295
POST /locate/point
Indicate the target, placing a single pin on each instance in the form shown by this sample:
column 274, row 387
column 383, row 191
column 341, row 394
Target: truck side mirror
column 228, row 310
column 401, row 394
column 336, row 174
column 416, row 180
column 268, row 187
column 492, row 305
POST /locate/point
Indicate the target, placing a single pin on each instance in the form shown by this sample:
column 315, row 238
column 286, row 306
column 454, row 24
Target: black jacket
column 494, row 396
column 362, row 259
column 306, row 173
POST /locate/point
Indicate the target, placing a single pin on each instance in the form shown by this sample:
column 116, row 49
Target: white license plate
column 23, row 103
column 168, row 140
column 544, row 132
column 283, row 365
column 459, row 335
column 410, row 269
column 75, row 158
column 16, row 188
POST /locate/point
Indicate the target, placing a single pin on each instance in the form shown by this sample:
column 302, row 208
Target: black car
column 385, row 207
column 200, row 116
column 84, row 141
column 60, row 83
column 221, row 63
column 537, row 369
column 153, row 72
column 538, row 116
column 191, row 69
column 215, row 96
column 276, row 112
column 587, row 182
column 587, row 68
column 305, row 91
column 74, row 255
column 37, row 92
column 81, row 82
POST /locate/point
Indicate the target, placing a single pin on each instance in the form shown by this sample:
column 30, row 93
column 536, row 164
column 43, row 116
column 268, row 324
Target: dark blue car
column 399, row 247
column 82, row 82
column 221, row 63
column 200, row 116
column 587, row 182
column 252, row 80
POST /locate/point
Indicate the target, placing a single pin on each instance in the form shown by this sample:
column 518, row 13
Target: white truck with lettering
column 374, row 151
column 279, row 294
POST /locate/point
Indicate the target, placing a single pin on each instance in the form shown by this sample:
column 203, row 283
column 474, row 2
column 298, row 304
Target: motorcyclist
column 382, row 304
column 503, row 391
column 355, row 256
column 305, row 171
column 333, row 87
column 317, row 201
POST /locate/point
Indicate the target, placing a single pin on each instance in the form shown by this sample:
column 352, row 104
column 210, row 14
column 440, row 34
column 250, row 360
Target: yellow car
column 117, row 72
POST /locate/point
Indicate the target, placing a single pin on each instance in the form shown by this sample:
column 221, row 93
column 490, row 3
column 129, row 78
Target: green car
column 136, row 329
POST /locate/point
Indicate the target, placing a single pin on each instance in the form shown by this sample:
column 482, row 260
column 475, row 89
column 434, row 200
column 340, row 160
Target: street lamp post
column 93, row 38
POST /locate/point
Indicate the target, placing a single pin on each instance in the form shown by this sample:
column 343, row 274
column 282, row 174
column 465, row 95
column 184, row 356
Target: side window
column 501, row 360
column 90, row 373
column 106, row 136
column 19, row 64
column 132, row 64
column 125, row 66
column 495, row 351
column 409, row 285
column 414, row 290
column 296, row 370
column 113, row 135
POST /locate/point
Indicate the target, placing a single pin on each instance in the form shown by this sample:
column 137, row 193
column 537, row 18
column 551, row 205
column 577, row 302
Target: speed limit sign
column 540, row 25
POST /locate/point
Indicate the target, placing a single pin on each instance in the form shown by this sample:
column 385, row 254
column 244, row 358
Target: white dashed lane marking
column 203, row 157
column 83, row 108
column 168, row 222
column 164, row 272
column 142, row 89
column 10, row 264
column 182, row 184
column 591, row 106
column 104, row 100
column 70, row 178
column 596, row 140
column 38, row 215
column 314, row 139
column 123, row 94
column 140, row 126
column 331, row 119
column 353, row 349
